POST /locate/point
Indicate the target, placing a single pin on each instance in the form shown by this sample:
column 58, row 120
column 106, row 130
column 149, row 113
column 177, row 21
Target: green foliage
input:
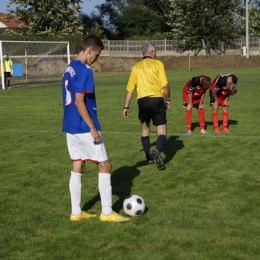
column 199, row 24
column 253, row 21
column 205, row 205
column 137, row 21
column 89, row 22
column 96, row 30
column 48, row 17
column 159, row 6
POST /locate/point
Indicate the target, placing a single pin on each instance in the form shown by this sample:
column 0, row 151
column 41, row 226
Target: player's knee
column 105, row 167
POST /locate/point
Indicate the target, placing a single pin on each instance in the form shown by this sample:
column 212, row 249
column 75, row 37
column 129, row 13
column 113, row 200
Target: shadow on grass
column 171, row 147
column 121, row 182
column 122, row 178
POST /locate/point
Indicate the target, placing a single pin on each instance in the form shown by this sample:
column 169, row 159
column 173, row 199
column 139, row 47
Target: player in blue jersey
column 82, row 128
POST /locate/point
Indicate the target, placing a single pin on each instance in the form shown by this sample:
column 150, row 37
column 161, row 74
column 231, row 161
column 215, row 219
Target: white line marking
column 137, row 133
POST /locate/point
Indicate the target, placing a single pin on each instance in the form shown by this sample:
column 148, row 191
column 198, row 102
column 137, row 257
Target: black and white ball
column 134, row 205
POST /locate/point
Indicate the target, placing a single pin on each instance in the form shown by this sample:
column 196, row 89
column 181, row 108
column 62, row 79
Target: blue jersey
column 78, row 78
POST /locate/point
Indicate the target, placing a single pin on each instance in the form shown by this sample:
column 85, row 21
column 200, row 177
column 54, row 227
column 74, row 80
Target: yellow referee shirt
column 148, row 78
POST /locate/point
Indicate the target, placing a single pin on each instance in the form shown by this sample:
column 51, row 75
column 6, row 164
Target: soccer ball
column 134, row 205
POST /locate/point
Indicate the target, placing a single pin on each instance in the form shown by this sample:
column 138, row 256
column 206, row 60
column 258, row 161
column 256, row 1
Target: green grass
column 205, row 205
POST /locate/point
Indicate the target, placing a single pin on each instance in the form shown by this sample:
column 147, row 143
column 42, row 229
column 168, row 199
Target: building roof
column 4, row 22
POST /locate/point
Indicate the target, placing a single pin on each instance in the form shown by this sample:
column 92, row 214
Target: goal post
column 34, row 62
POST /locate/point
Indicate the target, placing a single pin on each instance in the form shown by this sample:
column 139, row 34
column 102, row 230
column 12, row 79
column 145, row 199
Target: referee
column 153, row 94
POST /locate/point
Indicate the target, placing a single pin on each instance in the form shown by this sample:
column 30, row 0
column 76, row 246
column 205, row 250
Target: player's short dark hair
column 206, row 81
column 91, row 41
column 232, row 88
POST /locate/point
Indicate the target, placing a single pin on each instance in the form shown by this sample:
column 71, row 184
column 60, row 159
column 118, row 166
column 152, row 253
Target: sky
column 87, row 6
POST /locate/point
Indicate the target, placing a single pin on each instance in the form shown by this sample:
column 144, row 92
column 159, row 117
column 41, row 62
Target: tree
column 199, row 24
column 48, row 17
column 161, row 8
column 252, row 4
column 112, row 8
column 89, row 22
column 136, row 21
column 253, row 19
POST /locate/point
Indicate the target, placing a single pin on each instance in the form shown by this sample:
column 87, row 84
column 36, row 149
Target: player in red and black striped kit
column 221, row 88
column 193, row 94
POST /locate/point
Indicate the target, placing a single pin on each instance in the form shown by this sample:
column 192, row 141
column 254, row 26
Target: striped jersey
column 148, row 78
column 78, row 78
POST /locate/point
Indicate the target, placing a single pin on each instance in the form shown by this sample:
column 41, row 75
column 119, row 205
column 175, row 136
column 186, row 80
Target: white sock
column 75, row 192
column 105, row 191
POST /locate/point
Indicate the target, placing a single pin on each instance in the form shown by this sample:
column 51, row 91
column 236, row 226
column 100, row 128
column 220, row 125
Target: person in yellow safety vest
column 8, row 70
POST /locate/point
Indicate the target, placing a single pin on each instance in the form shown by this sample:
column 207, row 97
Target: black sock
column 146, row 145
column 160, row 142
column 8, row 83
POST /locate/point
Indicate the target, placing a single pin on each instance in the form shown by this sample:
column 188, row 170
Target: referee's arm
column 167, row 94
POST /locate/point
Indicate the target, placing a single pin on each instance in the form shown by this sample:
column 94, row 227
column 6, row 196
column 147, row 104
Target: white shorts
column 81, row 147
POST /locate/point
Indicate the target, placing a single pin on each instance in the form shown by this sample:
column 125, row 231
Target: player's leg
column 214, row 116
column 75, row 192
column 161, row 139
column 78, row 167
column 201, row 119
column 105, row 191
column 225, row 119
column 104, row 186
column 5, row 78
column 159, row 120
column 8, row 81
column 145, row 118
column 145, row 140
column 188, row 113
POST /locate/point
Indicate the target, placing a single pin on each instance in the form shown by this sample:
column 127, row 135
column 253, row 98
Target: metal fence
column 169, row 48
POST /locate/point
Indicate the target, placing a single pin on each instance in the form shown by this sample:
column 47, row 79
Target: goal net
column 34, row 62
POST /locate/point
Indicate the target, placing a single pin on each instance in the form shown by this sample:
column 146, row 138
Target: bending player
column 193, row 94
column 221, row 88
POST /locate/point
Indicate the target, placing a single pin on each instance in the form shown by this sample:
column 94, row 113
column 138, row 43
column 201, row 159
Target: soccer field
column 205, row 205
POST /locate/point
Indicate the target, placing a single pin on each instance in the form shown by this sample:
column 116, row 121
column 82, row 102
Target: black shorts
column 7, row 74
column 152, row 108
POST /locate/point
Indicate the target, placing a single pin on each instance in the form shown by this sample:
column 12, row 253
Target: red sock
column 188, row 119
column 215, row 119
column 225, row 120
column 201, row 118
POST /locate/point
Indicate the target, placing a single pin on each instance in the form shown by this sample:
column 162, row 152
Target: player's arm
column 215, row 105
column 128, row 97
column 167, row 94
column 82, row 109
column 189, row 106
column 11, row 67
column 226, row 102
column 201, row 105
